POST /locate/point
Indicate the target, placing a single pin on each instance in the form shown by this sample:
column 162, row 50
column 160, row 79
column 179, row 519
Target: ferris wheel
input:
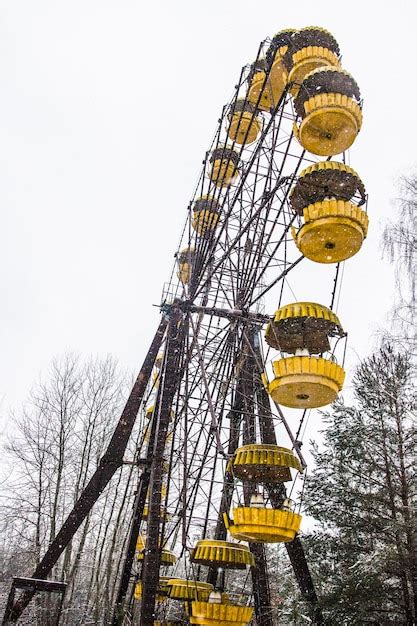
column 228, row 383
column 223, row 487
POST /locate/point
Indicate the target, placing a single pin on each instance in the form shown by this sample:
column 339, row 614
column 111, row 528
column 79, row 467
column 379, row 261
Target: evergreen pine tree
column 362, row 493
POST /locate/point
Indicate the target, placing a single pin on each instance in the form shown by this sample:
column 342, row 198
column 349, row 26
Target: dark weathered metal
column 298, row 560
column 35, row 585
column 109, row 463
column 220, row 533
column 266, row 419
column 259, row 573
column 170, row 381
column 241, row 419
column 232, row 314
column 260, row 586
column 214, row 423
column 238, row 190
column 302, row 572
column 277, row 494
column 335, row 286
column 138, row 506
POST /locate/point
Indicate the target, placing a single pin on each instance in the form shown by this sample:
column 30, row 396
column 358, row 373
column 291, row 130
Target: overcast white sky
column 106, row 110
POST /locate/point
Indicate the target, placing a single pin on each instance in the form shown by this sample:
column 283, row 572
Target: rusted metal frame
column 231, row 314
column 227, row 348
column 244, row 405
column 203, row 243
column 214, row 423
column 258, row 147
column 9, row 606
column 238, row 238
column 227, row 367
column 335, row 280
column 216, row 143
column 211, row 311
column 258, row 361
column 259, row 573
column 206, row 245
column 50, row 586
column 260, row 586
column 138, row 508
column 295, row 550
column 235, row 417
column 294, row 441
column 108, row 465
column 208, row 442
column 272, row 255
column 237, row 193
column 61, row 604
column 182, row 500
column 276, row 280
column 268, row 175
column 248, row 196
column 277, row 494
column 169, row 383
column 242, row 80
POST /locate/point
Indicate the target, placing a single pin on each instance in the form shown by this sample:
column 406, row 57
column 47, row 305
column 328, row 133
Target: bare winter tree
column 59, row 438
column 400, row 246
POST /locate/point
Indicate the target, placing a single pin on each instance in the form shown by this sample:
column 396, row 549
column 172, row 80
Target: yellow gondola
column 205, row 215
column 224, row 166
column 155, row 380
column 280, row 44
column 260, row 92
column 223, row 554
column 264, row 463
column 163, row 492
column 304, row 380
column 329, row 196
column 163, row 513
column 266, row 87
column 262, row 524
column 158, row 360
column 183, row 589
column 245, row 125
column 168, row 558
column 149, row 413
column 311, row 48
column 329, row 106
column 220, row 614
column 186, row 260
column 277, row 52
column 162, row 590
column 147, row 435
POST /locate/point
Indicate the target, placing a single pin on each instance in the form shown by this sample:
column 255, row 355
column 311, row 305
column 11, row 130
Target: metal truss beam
column 294, row 548
column 172, row 374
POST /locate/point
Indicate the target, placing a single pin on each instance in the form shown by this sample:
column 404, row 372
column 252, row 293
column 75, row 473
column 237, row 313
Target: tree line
column 58, row 440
